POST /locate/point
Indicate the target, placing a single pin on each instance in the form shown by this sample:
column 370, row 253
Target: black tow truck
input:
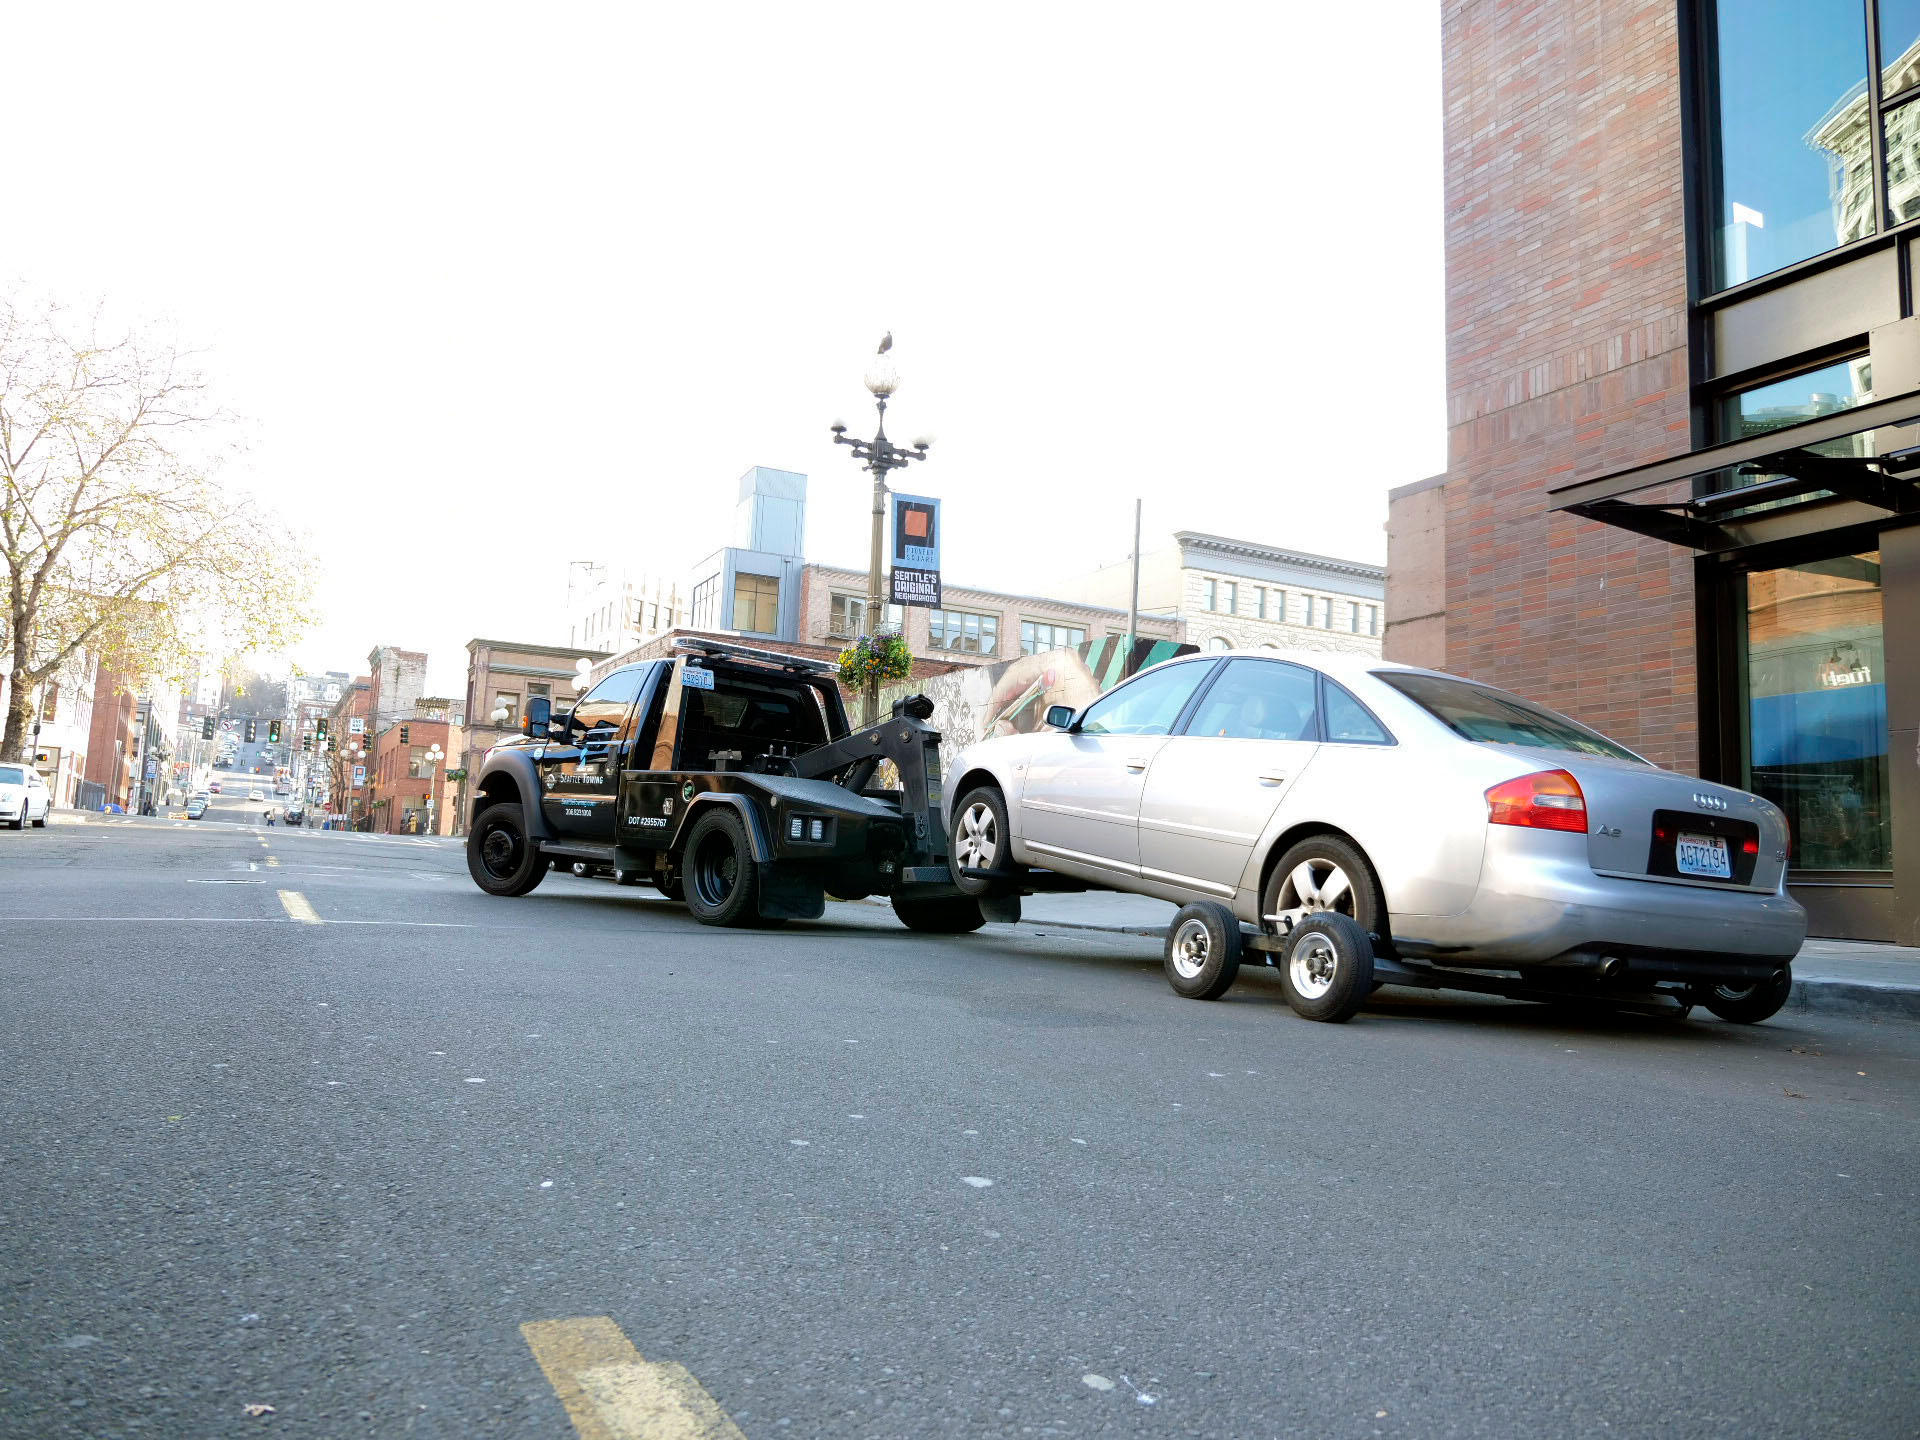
column 725, row 776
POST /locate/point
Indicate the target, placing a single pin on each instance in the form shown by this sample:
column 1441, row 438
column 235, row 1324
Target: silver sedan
column 1450, row 824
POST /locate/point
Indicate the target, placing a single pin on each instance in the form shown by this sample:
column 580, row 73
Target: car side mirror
column 1060, row 717
column 538, row 717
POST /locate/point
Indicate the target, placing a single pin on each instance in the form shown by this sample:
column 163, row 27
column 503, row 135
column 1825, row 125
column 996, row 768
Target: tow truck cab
column 620, row 782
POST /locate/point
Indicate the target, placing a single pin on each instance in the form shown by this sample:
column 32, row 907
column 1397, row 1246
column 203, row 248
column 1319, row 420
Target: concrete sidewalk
column 1853, row 975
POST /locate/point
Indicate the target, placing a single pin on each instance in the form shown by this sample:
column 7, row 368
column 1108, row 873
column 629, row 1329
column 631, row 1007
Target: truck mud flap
column 788, row 894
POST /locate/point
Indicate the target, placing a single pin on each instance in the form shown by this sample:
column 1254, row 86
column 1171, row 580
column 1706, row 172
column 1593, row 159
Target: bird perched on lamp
column 886, row 343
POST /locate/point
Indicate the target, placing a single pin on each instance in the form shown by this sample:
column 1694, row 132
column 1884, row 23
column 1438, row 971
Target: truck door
column 581, row 777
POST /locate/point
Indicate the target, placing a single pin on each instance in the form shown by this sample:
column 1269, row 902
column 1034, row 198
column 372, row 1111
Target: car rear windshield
column 12, row 775
column 1479, row 712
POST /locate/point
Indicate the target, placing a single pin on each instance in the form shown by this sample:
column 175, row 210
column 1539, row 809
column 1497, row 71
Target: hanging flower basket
column 877, row 658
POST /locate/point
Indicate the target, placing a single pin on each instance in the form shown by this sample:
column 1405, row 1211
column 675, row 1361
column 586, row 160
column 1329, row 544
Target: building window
column 1038, row 635
column 1817, row 709
column 1373, row 619
column 1353, row 616
column 1233, row 598
column 1260, row 601
column 417, row 766
column 539, row 687
column 1213, row 595
column 1280, row 606
column 1219, row 643
column 1793, row 138
column 847, row 616
column 706, row 596
column 1806, row 396
column 508, row 701
column 756, row 603
column 964, row 631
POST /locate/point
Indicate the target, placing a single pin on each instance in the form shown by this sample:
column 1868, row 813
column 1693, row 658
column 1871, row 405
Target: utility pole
column 881, row 455
column 1133, row 605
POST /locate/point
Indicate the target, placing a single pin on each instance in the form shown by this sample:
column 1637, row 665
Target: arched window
column 1219, row 642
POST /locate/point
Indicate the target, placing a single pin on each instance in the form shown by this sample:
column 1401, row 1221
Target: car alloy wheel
column 978, row 842
column 1312, row 965
column 1313, row 885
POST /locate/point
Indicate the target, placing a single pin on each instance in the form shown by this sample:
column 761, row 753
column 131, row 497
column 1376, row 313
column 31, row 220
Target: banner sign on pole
column 916, row 551
column 359, row 776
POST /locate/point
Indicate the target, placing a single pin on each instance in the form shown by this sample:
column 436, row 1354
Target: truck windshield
column 1493, row 717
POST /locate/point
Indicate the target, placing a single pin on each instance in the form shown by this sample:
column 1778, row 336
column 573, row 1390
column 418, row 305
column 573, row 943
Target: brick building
column 410, row 791
column 351, row 724
column 1680, row 342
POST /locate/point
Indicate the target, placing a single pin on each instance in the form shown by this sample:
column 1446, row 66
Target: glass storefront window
column 1817, row 709
column 1795, row 161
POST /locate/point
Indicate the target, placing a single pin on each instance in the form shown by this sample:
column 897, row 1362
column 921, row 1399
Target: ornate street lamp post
column 879, row 455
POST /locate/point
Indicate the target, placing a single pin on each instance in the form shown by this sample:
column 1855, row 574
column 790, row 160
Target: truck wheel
column 1326, row 968
column 501, row 857
column 1746, row 1004
column 947, row 915
column 1203, row 950
column 981, row 840
column 722, row 882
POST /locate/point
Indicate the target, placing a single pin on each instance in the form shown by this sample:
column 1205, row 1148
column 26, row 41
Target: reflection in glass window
column 1899, row 45
column 1903, row 163
column 1796, row 176
column 1259, row 700
column 1802, row 397
column 1146, row 706
column 1817, row 709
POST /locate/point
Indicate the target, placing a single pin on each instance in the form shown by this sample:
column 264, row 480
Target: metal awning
column 1861, row 487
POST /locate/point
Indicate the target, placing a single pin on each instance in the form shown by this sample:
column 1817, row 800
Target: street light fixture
column 879, row 455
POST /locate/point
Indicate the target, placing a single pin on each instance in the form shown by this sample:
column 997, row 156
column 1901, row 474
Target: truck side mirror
column 1060, row 717
column 539, row 715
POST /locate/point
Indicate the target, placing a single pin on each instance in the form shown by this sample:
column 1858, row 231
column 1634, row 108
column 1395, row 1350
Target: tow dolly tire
column 1326, row 967
column 945, row 915
column 1746, row 1004
column 1203, row 950
column 722, row 882
column 501, row 857
column 980, row 827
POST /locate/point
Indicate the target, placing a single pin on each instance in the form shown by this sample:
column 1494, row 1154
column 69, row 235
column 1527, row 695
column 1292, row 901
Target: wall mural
column 1012, row 697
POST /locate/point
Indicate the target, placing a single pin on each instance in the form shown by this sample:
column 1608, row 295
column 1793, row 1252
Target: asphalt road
column 334, row 1167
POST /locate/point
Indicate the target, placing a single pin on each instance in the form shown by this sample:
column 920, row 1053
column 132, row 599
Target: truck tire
column 1326, row 969
column 1746, row 1004
column 944, row 915
column 721, row 881
column 981, row 840
column 1202, row 954
column 501, row 856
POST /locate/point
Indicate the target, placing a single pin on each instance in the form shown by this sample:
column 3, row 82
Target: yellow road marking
column 611, row 1393
column 273, row 859
column 297, row 908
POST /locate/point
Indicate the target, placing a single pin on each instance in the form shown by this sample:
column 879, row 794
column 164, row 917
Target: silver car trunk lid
column 1650, row 824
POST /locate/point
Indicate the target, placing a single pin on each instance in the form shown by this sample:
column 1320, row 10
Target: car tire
column 1326, row 967
column 1203, row 949
column 20, row 822
column 981, row 839
column 721, row 880
column 945, row 915
column 41, row 823
column 1746, row 1004
column 1336, row 879
column 501, row 856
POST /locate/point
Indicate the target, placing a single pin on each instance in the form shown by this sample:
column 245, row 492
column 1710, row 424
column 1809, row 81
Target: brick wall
column 1566, row 356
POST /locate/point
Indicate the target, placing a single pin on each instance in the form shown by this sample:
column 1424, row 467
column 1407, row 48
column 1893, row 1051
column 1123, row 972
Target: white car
column 255, row 794
column 1337, row 804
column 23, row 797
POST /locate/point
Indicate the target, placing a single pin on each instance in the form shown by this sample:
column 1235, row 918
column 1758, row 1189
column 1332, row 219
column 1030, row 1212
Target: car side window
column 1259, row 700
column 1146, row 706
column 1348, row 721
column 604, row 708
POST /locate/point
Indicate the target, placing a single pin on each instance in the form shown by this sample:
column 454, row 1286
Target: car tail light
column 1545, row 800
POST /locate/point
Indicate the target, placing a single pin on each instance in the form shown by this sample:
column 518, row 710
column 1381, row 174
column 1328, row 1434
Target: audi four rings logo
column 1709, row 802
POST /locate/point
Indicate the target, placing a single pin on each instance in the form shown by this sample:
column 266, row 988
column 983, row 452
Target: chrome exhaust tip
column 1612, row 968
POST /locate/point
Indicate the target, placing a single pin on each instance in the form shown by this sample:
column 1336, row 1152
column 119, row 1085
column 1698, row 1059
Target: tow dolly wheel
column 722, row 882
column 1326, row 968
column 1203, row 950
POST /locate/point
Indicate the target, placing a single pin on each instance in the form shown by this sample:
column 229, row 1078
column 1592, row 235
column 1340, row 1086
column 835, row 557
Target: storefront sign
column 916, row 551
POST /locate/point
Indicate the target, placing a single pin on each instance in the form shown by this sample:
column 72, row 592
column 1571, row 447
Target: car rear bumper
column 1540, row 903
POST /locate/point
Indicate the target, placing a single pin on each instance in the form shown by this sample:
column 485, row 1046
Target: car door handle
column 1273, row 777
column 1137, row 763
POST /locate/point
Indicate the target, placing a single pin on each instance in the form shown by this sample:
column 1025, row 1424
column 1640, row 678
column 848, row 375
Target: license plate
column 1702, row 855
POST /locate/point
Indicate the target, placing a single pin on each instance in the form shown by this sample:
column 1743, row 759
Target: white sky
column 504, row 287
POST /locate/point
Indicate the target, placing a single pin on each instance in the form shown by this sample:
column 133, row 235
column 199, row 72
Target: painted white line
column 611, row 1393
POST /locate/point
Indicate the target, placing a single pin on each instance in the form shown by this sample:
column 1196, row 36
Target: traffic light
column 403, row 734
column 253, row 731
column 273, row 732
column 206, row 728
column 306, row 743
column 320, row 727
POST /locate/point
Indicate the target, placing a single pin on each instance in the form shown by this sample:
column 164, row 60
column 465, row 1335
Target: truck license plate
column 1702, row 855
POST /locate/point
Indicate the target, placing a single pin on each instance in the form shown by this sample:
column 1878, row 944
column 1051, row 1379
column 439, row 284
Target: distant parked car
column 256, row 794
column 196, row 807
column 1333, row 802
column 214, row 788
column 23, row 797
